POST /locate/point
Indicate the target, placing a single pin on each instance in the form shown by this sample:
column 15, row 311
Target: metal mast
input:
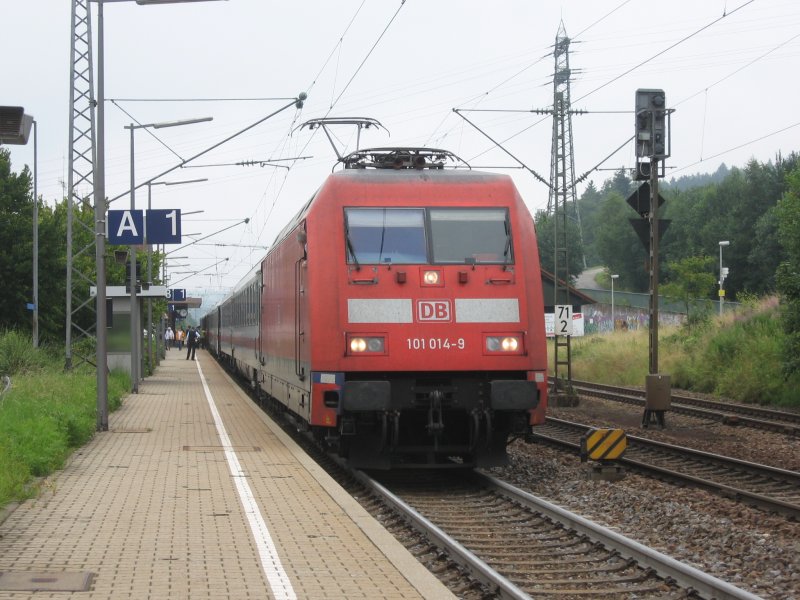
column 562, row 159
column 80, row 310
column 562, row 191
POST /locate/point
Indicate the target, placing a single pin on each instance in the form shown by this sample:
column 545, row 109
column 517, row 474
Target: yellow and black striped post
column 603, row 445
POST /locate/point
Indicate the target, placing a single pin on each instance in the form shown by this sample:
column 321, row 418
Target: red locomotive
column 399, row 315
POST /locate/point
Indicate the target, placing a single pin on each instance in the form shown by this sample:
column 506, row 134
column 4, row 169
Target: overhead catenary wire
column 333, row 104
column 148, row 130
column 725, row 14
column 206, row 151
column 665, row 50
column 282, row 184
column 366, row 58
column 745, row 144
column 480, row 97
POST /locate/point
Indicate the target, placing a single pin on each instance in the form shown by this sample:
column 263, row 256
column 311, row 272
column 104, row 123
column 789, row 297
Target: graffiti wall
column 597, row 318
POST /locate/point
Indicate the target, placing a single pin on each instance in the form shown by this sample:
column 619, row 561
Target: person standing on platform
column 180, row 335
column 169, row 335
column 191, row 343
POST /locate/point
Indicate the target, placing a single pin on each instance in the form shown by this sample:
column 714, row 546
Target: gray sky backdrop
column 729, row 69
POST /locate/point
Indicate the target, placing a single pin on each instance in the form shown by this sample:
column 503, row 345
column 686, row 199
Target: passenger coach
column 399, row 315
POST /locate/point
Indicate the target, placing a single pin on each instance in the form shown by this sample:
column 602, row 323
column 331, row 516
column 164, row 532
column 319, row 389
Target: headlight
column 431, row 277
column 374, row 345
column 504, row 344
column 509, row 344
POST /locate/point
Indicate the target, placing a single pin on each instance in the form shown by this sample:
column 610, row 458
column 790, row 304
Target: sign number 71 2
column 563, row 319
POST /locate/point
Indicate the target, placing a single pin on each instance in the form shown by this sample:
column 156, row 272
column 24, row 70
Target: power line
column 601, row 19
column 480, row 97
column 332, row 105
column 277, row 98
column 148, row 130
column 338, row 45
column 371, row 50
column 728, row 76
column 665, row 50
column 628, row 71
column 753, row 141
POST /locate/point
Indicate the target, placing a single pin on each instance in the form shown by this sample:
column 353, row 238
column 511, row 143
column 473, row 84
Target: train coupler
column 347, row 425
column 435, row 424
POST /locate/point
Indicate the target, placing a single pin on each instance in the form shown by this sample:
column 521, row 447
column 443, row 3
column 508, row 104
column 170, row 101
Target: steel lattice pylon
column 562, row 192
column 80, row 309
column 562, row 158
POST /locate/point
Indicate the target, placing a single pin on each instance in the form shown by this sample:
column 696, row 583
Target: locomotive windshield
column 470, row 235
column 385, row 235
column 428, row 236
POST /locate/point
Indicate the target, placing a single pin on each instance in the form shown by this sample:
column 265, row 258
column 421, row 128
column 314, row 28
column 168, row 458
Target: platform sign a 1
column 563, row 319
column 164, row 226
column 176, row 294
column 125, row 227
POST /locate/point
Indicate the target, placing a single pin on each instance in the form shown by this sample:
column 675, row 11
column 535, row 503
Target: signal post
column 652, row 148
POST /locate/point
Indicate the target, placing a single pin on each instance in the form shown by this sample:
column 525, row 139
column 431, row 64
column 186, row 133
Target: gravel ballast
column 752, row 549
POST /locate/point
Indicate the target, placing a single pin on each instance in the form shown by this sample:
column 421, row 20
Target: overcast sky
column 729, row 69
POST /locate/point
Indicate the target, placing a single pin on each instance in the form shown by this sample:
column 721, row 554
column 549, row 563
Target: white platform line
column 279, row 582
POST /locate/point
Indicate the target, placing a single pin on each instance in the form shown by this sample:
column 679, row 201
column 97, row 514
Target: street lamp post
column 136, row 330
column 613, row 317
column 100, row 234
column 722, row 274
column 35, row 240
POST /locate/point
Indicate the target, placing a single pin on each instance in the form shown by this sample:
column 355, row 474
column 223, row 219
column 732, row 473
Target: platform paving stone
column 150, row 509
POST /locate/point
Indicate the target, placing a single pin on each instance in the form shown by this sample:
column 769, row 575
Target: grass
column 738, row 356
column 45, row 415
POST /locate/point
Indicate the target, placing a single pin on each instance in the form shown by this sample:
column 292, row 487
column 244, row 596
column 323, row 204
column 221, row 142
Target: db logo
column 433, row 310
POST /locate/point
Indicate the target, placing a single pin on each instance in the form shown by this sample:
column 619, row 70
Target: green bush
column 45, row 415
column 17, row 354
column 748, row 359
column 37, row 441
column 14, row 475
column 738, row 357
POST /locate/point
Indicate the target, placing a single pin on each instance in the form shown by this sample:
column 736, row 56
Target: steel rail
column 767, row 502
column 725, row 412
column 686, row 576
column 477, row 568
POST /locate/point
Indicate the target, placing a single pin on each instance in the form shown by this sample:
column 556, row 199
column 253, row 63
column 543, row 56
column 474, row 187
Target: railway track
column 725, row 412
column 485, row 539
column 520, row 546
column 767, row 487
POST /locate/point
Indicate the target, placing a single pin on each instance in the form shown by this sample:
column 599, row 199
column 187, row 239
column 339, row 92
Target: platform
column 195, row 493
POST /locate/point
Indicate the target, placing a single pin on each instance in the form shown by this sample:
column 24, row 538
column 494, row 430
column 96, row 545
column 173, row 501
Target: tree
column 766, row 253
column 16, row 241
column 617, row 244
column 589, row 203
column 788, row 275
column 544, row 237
column 621, row 184
column 691, row 279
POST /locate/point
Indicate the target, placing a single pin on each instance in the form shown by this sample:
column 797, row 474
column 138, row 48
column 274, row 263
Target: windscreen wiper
column 507, row 250
column 351, row 249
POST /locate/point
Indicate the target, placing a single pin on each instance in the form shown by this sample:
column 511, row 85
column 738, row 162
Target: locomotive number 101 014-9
column 436, row 343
